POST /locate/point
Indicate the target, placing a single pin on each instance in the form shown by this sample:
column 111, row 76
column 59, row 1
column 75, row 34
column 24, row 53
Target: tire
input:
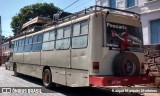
column 47, row 78
column 126, row 64
column 15, row 71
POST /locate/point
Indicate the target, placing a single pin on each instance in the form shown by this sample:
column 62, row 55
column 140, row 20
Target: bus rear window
column 117, row 32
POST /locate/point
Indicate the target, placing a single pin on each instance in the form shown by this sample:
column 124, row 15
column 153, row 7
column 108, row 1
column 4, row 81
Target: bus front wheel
column 47, row 78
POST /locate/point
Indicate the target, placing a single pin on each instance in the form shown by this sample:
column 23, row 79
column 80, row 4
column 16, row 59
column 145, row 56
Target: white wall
column 146, row 18
column 102, row 2
column 148, row 10
column 121, row 4
column 141, row 2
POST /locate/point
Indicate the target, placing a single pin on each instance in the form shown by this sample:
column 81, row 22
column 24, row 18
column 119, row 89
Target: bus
column 93, row 47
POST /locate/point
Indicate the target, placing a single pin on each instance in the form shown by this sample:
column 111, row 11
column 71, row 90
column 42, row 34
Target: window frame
column 87, row 20
column 63, row 38
column 53, row 31
column 49, row 40
column 128, row 3
column 152, row 23
column 80, row 47
column 21, row 45
column 37, row 42
column 29, row 43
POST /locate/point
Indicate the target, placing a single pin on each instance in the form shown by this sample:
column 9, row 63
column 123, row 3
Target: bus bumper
column 120, row 81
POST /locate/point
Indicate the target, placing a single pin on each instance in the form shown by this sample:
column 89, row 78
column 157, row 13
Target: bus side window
column 35, row 38
column 28, row 44
column 60, row 33
column 37, row 42
column 48, row 43
column 19, row 42
column 80, row 36
column 63, row 44
column 84, row 27
column 76, row 29
column 30, row 40
column 67, row 31
column 27, row 41
column 63, row 38
column 52, row 35
column 40, row 38
column 79, row 42
column 15, row 49
column 21, row 45
column 46, row 36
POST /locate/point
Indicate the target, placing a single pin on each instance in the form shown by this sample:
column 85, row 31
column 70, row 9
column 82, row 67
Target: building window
column 112, row 3
column 155, row 31
column 130, row 3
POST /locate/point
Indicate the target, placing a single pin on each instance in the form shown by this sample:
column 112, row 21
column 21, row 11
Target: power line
column 80, row 5
column 70, row 5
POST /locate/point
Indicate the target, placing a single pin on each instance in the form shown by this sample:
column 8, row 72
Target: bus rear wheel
column 47, row 78
column 126, row 64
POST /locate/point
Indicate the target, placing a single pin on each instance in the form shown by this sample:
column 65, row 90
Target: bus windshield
column 119, row 32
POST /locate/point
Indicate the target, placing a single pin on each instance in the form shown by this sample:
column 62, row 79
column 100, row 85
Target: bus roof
column 79, row 16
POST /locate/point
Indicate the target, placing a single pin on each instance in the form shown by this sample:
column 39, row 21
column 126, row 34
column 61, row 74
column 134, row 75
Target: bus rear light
column 95, row 67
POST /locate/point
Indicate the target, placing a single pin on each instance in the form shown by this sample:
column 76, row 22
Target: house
column 35, row 24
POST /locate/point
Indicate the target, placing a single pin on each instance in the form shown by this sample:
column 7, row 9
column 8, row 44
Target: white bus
column 90, row 48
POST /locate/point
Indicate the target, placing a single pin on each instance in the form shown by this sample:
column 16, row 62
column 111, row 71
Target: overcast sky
column 9, row 8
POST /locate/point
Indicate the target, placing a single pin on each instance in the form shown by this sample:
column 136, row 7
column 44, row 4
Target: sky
column 9, row 8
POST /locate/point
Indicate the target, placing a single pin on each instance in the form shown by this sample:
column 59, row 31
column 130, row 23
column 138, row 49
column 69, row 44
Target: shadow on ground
column 70, row 91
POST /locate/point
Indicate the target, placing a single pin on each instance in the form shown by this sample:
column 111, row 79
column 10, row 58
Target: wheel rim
column 46, row 78
column 130, row 67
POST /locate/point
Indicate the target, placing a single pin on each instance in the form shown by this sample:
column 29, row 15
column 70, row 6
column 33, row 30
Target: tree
column 28, row 12
column 3, row 38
